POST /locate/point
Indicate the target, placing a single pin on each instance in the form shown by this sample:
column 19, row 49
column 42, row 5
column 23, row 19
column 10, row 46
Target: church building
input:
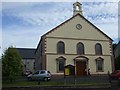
column 78, row 43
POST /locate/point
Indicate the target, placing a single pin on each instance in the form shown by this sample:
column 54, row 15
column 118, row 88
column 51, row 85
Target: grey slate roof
column 26, row 53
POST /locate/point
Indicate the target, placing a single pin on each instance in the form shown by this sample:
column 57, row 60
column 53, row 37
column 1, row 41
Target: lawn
column 30, row 83
column 49, row 83
column 23, row 82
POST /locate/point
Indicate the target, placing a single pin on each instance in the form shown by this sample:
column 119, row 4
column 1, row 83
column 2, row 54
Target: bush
column 11, row 64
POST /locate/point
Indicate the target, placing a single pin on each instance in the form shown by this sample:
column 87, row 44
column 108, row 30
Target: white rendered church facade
column 76, row 42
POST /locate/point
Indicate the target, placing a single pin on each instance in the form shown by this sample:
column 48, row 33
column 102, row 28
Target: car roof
column 42, row 70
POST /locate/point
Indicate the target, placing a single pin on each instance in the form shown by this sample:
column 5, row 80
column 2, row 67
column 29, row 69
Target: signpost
column 69, row 70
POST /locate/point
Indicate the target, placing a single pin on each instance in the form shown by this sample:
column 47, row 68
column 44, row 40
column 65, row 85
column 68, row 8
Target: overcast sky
column 23, row 23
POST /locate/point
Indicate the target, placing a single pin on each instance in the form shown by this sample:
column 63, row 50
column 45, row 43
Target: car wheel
column 45, row 79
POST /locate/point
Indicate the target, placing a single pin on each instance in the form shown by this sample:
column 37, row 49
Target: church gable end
column 77, row 27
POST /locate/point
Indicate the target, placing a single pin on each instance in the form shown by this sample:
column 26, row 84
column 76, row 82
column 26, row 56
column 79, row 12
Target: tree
column 11, row 64
column 114, row 46
column 117, row 63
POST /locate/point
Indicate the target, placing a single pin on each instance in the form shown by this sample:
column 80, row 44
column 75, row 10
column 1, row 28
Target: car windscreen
column 42, row 72
column 36, row 72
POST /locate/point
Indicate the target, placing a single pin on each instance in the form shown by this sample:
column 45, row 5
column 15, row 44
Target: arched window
column 80, row 48
column 60, row 64
column 60, row 47
column 99, row 65
column 98, row 49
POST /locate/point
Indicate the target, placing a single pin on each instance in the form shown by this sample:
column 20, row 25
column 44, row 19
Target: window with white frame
column 60, row 64
column 99, row 65
column 98, row 49
column 60, row 47
column 80, row 48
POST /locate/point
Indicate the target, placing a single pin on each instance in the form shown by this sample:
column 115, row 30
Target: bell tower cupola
column 77, row 8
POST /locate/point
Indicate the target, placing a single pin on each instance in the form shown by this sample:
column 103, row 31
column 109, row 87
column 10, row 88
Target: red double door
column 80, row 68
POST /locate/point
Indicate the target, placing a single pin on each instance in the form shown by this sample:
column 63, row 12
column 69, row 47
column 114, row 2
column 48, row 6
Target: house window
column 98, row 49
column 60, row 47
column 60, row 64
column 80, row 48
column 99, row 65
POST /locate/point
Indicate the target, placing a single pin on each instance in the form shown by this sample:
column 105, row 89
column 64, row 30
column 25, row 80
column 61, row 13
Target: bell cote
column 77, row 8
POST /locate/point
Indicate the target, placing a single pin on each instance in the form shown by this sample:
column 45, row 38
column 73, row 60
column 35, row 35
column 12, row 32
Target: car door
column 35, row 75
column 42, row 75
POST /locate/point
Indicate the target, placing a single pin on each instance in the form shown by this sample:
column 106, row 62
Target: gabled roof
column 84, row 19
column 68, row 21
column 26, row 53
column 38, row 44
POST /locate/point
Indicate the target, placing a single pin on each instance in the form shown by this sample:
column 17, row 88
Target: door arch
column 81, row 66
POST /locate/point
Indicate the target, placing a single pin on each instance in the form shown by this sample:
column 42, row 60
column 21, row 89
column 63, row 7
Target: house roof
column 26, row 53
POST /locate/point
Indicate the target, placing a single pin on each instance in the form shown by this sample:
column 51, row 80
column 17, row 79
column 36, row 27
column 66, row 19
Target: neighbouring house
column 28, row 58
column 78, row 43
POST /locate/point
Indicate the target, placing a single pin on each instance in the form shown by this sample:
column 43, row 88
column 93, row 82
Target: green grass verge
column 30, row 83
column 21, row 82
column 49, row 83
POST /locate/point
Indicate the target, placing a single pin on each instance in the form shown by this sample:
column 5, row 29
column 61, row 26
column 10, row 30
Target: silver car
column 40, row 75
